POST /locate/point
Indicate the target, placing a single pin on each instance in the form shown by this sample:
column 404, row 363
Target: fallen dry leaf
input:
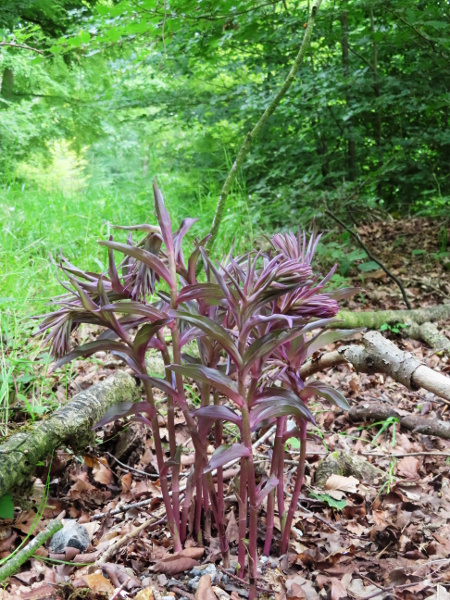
column 338, row 590
column 204, row 590
column 185, row 560
column 95, row 582
column 408, row 467
column 341, row 483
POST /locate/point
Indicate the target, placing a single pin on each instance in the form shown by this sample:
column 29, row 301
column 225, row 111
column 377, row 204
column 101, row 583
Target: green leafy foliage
column 332, row 502
column 6, row 507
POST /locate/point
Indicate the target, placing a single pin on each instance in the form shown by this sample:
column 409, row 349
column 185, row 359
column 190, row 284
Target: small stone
column 72, row 534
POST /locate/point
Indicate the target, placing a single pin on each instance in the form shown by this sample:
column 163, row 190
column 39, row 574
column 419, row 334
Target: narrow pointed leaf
column 317, row 388
column 200, row 291
column 218, row 413
column 124, row 409
column 186, row 224
column 270, row 485
column 163, row 219
column 277, row 402
column 147, row 258
column 226, row 454
column 212, row 329
column 145, row 334
column 135, row 308
column 213, row 377
column 91, row 348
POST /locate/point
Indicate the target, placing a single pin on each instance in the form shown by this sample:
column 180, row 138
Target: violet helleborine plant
column 253, row 320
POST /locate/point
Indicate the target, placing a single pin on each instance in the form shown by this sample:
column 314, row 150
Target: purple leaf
column 186, row 224
column 267, row 343
column 91, row 348
column 192, row 261
column 213, row 330
column 270, row 485
column 277, row 402
column 200, row 291
column 164, row 220
column 147, row 258
column 135, row 308
column 217, row 413
column 86, row 301
column 145, row 334
column 317, row 388
column 226, row 454
column 124, row 409
column 213, row 377
column 112, row 271
column 162, row 385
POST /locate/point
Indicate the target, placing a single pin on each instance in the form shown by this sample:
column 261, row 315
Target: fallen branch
column 13, row 564
column 377, row 411
column 380, row 355
column 70, row 425
column 374, row 319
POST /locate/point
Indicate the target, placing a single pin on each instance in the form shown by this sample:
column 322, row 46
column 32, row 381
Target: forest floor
column 389, row 538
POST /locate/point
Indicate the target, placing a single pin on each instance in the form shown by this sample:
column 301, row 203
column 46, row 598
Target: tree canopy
column 179, row 83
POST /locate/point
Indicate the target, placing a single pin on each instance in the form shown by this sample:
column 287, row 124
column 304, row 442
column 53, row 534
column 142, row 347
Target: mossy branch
column 13, row 565
column 253, row 134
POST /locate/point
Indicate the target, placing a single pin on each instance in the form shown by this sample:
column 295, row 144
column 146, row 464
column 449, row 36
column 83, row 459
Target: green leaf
column 332, row 502
column 6, row 507
column 369, row 266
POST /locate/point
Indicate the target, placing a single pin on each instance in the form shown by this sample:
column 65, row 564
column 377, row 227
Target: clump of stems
column 255, row 319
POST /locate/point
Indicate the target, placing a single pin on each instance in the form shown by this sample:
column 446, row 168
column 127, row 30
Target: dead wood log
column 420, row 321
column 69, row 425
column 377, row 411
column 380, row 355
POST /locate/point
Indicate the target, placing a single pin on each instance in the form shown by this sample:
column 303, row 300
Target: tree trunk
column 69, row 425
column 351, row 144
column 7, row 87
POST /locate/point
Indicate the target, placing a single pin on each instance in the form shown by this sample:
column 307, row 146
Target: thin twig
column 128, row 468
column 111, row 550
column 21, row 46
column 357, row 237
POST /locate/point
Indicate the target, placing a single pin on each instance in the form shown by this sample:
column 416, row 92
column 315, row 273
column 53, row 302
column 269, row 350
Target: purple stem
column 242, row 501
column 218, row 435
column 279, row 451
column 163, row 474
column 297, row 489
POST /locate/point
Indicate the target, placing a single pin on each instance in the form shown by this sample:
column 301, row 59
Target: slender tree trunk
column 351, row 144
column 7, row 89
column 376, row 89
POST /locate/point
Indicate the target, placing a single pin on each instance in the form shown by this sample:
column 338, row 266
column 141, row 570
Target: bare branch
column 21, row 46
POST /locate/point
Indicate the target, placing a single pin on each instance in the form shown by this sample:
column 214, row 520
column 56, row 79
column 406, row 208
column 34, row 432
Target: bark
column 69, row 425
column 7, row 85
column 420, row 321
column 380, row 355
column 351, row 144
column 376, row 411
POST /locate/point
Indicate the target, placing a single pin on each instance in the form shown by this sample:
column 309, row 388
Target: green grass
column 36, row 225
